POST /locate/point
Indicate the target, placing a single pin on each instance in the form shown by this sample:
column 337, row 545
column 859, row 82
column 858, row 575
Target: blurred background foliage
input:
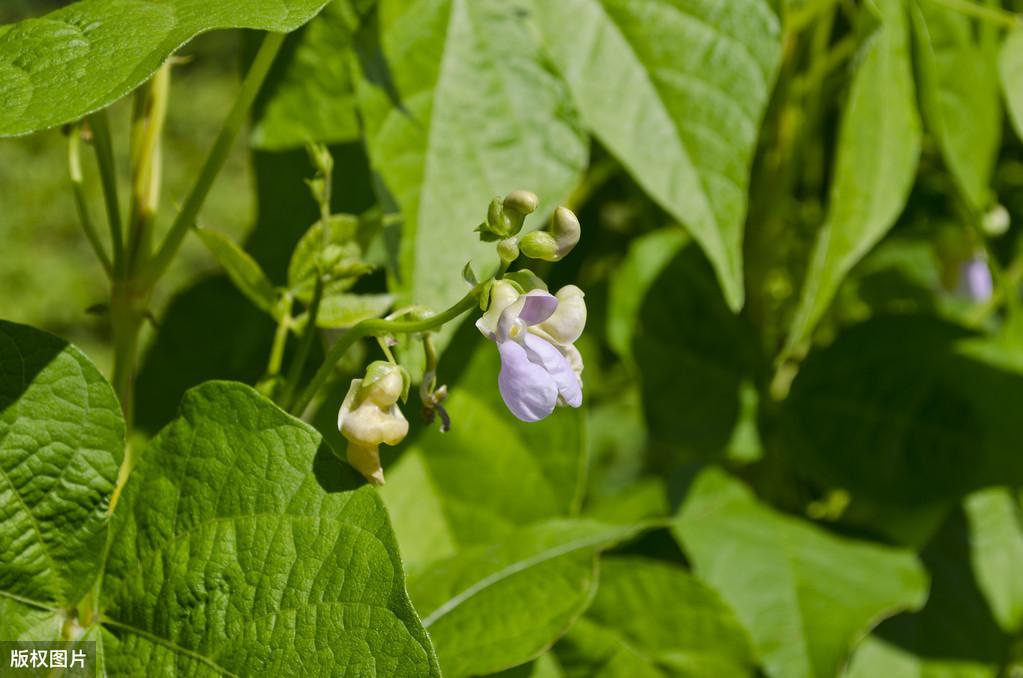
column 898, row 434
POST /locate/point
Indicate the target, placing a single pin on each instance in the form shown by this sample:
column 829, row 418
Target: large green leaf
column 494, row 606
column 878, row 149
column 491, row 473
column 675, row 89
column 959, row 91
column 310, row 92
column 242, row 546
column 463, row 110
column 61, row 444
column 805, row 596
column 651, row 618
column 83, row 57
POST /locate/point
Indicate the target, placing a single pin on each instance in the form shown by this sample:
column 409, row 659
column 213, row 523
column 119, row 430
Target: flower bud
column 566, row 229
column 539, row 245
column 369, row 417
column 996, row 221
column 496, row 219
column 508, row 249
column 521, row 202
column 555, row 245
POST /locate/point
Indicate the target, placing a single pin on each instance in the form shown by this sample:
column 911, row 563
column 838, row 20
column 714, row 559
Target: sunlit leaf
column 782, row 576
column 83, row 57
column 676, row 90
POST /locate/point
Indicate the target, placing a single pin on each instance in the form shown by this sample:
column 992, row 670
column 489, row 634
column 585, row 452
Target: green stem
column 148, row 119
column 379, row 326
column 74, row 162
column 273, row 367
column 100, row 126
column 304, row 346
column 217, row 157
column 995, row 15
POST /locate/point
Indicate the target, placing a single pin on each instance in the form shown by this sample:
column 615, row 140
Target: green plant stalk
column 379, row 326
column 995, row 15
column 102, row 144
column 74, row 162
column 185, row 219
column 305, row 344
column 148, row 119
column 273, row 367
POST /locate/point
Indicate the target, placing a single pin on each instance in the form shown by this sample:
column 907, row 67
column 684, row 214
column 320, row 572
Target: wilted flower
column 975, row 279
column 534, row 332
column 369, row 417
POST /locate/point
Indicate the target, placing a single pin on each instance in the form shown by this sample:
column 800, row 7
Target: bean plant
column 614, row 338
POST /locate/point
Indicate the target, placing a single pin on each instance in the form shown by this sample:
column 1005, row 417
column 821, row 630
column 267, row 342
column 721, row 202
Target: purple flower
column 975, row 279
column 540, row 367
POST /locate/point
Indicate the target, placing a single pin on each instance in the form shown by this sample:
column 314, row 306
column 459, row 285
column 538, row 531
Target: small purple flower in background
column 975, row 279
column 534, row 332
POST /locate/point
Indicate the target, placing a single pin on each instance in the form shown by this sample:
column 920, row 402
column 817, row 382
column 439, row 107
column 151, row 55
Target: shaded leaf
column 676, row 91
column 242, row 545
column 878, row 149
column 737, row 544
column 83, row 57
column 344, row 310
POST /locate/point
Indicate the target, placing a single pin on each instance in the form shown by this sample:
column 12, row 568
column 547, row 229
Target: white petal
column 558, row 367
column 566, row 324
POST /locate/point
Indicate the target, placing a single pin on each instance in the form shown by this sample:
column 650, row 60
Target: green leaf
column 491, row 473
column 81, row 58
column 494, row 606
column 243, row 270
column 243, row 545
column 996, row 551
column 651, row 618
column 312, row 97
column 344, row 310
column 675, row 90
column 877, row 154
column 959, row 91
column 1010, row 68
column 341, row 251
column 467, row 111
column 784, row 577
column 61, row 445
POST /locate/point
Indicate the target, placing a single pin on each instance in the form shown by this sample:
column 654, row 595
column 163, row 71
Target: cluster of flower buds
column 505, row 218
column 370, row 416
